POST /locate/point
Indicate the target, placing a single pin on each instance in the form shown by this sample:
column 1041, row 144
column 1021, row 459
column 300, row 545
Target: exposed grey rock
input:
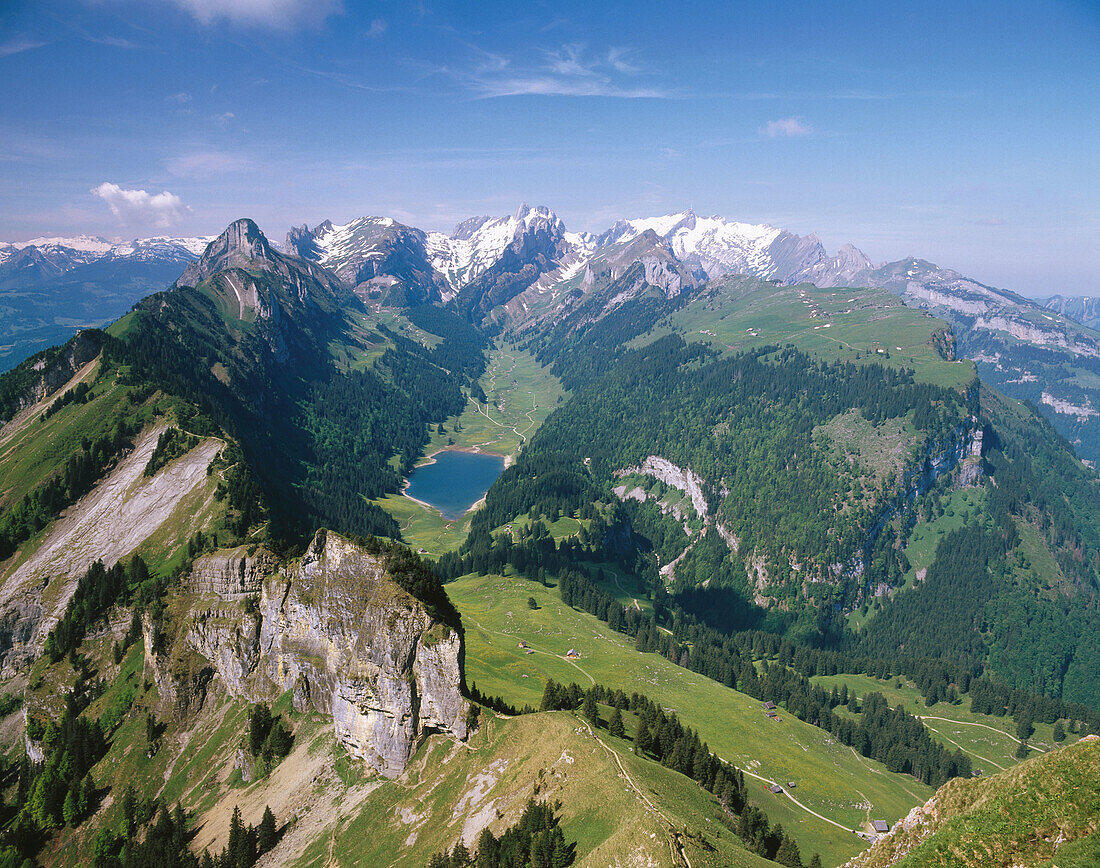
column 231, row 573
column 375, row 256
column 241, row 245
column 243, row 256
column 1083, row 309
column 245, row 762
column 338, row 632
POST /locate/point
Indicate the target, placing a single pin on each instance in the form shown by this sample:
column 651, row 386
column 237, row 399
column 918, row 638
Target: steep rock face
column 1083, row 309
column 662, row 269
column 375, row 256
column 231, row 573
column 243, row 251
column 680, row 478
column 344, row 637
column 239, row 246
column 504, row 257
column 367, row 652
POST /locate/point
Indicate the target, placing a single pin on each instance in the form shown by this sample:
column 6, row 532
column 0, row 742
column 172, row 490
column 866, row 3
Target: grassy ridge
column 830, row 779
column 617, row 815
column 1019, row 817
column 833, row 324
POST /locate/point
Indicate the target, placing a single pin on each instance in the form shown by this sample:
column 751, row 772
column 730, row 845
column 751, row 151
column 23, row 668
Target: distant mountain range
column 528, row 267
column 50, row 287
column 525, row 267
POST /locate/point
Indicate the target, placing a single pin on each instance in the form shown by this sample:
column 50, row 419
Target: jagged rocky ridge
column 333, row 628
column 526, row 273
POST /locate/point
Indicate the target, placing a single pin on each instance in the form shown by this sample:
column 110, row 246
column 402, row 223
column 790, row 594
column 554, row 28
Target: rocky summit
column 336, row 631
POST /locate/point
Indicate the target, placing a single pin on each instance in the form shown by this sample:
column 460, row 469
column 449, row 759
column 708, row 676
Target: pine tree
column 488, row 847
column 87, row 796
column 615, row 726
column 179, row 828
column 815, row 862
column 259, row 725
column 70, row 810
column 238, row 840
column 1059, row 733
column 129, row 813
column 266, row 834
column 549, row 697
column 788, row 854
column 590, row 709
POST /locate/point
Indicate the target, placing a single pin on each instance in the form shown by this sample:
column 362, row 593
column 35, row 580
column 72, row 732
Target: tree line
column 660, row 736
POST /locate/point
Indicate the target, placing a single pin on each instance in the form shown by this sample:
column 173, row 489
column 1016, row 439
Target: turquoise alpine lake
column 454, row 481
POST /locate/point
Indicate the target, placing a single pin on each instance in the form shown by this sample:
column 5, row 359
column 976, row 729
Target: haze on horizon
column 964, row 134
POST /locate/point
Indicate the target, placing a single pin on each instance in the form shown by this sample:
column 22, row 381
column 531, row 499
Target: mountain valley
column 773, row 542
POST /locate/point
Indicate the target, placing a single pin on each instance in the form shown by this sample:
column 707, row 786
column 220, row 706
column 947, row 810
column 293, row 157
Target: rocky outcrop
column 1067, row 408
column 339, row 633
column 248, row 273
column 231, row 573
column 182, row 679
column 109, row 523
column 241, row 245
column 680, row 478
column 1034, row 334
column 375, row 256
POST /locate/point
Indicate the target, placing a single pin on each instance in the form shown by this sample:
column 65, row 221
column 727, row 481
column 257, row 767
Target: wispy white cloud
column 207, row 164
column 616, row 57
column 181, row 98
column 377, row 28
column 139, row 207
column 17, row 46
column 786, row 128
column 990, row 221
column 276, row 14
column 112, row 41
column 570, row 70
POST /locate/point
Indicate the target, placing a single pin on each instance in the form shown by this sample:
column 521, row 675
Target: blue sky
column 966, row 133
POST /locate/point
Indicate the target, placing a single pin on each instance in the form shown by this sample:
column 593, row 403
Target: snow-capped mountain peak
column 477, row 244
column 711, row 245
column 714, row 247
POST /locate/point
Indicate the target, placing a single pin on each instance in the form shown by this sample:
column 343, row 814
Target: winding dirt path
column 787, row 793
column 675, row 842
column 982, row 725
column 493, row 374
column 965, row 750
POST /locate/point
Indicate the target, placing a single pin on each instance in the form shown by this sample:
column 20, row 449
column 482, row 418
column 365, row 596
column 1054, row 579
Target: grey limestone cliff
column 336, row 630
